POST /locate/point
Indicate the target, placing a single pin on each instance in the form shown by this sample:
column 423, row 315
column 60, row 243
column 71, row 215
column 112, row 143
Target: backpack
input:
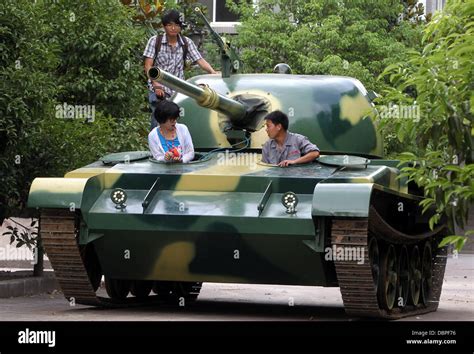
column 158, row 48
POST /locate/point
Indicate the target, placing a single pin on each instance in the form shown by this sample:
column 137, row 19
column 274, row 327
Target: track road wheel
column 374, row 260
column 415, row 276
column 141, row 288
column 403, row 277
column 117, row 288
column 426, row 273
column 387, row 288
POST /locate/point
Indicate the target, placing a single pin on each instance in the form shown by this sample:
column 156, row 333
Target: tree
column 27, row 91
column 440, row 81
column 61, row 52
column 100, row 55
column 325, row 36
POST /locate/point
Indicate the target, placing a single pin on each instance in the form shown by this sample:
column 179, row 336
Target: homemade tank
column 345, row 220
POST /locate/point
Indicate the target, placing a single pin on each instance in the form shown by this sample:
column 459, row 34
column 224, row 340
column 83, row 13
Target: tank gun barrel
column 203, row 95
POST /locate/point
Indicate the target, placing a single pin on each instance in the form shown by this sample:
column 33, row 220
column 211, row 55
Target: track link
column 58, row 229
column 356, row 281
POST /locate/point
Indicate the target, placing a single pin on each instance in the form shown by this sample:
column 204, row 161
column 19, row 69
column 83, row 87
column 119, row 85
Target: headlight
column 119, row 197
column 289, row 201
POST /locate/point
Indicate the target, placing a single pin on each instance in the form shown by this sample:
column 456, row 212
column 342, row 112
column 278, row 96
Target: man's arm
column 158, row 88
column 196, row 57
column 309, row 157
column 206, row 66
column 148, row 56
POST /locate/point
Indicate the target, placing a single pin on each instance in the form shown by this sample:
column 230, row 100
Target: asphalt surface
column 243, row 302
column 234, row 302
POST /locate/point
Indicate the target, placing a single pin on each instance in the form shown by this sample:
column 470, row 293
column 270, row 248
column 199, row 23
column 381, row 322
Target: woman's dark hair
column 166, row 110
column 278, row 117
column 171, row 16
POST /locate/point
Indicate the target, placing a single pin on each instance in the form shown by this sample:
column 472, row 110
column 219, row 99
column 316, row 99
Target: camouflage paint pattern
column 333, row 112
column 204, row 222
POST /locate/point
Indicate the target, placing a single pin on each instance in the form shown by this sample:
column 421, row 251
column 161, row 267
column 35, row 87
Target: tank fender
column 58, row 193
column 342, row 199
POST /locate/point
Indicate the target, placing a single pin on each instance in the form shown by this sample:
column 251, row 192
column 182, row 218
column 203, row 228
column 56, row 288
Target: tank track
column 356, row 281
column 58, row 229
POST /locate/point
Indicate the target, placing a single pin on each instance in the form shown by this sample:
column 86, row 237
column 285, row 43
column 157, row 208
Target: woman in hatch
column 170, row 141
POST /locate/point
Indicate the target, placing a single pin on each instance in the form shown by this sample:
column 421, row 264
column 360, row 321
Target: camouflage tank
column 345, row 220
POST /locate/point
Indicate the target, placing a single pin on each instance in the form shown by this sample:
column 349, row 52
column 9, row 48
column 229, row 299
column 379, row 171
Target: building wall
column 434, row 5
column 221, row 19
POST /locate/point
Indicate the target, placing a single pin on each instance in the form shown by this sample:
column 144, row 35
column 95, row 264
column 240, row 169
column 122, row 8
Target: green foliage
column 27, row 87
column 457, row 241
column 78, row 53
column 439, row 80
column 100, row 58
column 92, row 139
column 448, row 188
column 324, row 36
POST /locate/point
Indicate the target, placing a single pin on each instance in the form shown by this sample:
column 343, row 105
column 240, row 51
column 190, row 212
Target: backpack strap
column 157, row 47
column 185, row 50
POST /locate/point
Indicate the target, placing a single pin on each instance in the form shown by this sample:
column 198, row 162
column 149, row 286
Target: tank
column 157, row 231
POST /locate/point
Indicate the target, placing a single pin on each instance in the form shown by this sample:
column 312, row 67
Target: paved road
column 237, row 302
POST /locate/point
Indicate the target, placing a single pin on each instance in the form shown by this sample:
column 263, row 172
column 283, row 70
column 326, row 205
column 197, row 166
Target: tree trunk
column 38, row 267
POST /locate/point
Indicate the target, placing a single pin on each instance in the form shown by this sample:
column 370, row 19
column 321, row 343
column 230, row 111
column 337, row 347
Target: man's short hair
column 171, row 16
column 278, row 117
column 166, row 110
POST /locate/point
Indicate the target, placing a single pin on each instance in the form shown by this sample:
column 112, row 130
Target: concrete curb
column 28, row 285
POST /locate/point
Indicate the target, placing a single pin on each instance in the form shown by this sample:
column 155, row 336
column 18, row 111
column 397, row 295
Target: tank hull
column 204, row 225
column 226, row 217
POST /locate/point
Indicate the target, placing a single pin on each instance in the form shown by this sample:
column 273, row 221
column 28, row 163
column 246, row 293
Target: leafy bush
column 324, row 36
column 100, row 59
column 92, row 139
column 440, row 81
column 75, row 53
column 27, row 92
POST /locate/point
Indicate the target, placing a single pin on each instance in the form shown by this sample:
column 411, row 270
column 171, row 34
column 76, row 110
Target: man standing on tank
column 170, row 55
column 285, row 148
